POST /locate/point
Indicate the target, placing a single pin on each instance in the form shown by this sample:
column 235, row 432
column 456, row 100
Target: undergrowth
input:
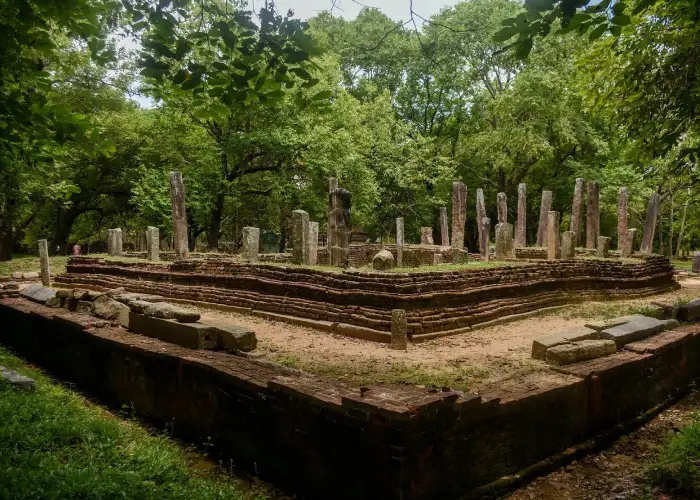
column 677, row 469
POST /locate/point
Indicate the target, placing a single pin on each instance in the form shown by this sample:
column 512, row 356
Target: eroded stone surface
column 164, row 310
column 106, row 307
column 383, row 261
column 38, row 293
column 689, row 311
column 540, row 346
column 17, row 379
column 638, row 328
column 399, row 329
column 583, row 350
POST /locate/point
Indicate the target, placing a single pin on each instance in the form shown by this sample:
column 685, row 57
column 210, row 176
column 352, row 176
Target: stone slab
column 639, row 328
column 38, row 293
column 17, row 379
column 236, row 338
column 190, row 335
column 599, row 326
column 660, row 342
column 689, row 311
column 107, row 308
column 164, row 310
column 540, row 346
column 566, row 354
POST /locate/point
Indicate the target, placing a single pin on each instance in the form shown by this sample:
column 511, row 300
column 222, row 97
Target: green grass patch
column 28, row 263
column 677, row 469
column 456, row 267
column 683, row 264
column 56, row 445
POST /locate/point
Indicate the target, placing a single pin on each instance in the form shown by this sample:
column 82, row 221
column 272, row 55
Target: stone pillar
column 504, row 241
column 300, row 237
column 545, row 207
column 553, row 239
column 152, row 243
column 426, row 236
column 460, row 256
column 650, row 224
column 177, row 198
column 437, row 259
column 567, row 245
column 399, row 329
column 400, row 242
column 444, row 231
column 621, row 217
column 313, row 243
column 520, row 228
column 332, row 186
column 339, row 226
column 592, row 214
column 485, row 231
column 459, row 213
column 696, row 262
column 44, row 262
column 603, row 250
column 577, row 211
column 628, row 249
column 502, row 208
column 480, row 214
column 114, row 242
column 251, row 243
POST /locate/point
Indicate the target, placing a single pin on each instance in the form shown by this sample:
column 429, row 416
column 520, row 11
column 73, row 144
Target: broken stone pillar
column 399, row 329
column 460, row 256
column 251, row 243
column 504, row 241
column 696, row 262
column 152, row 243
column 650, row 224
column 502, row 208
column 628, row 249
column 577, row 211
column 603, row 250
column 480, row 214
column 437, row 259
column 444, row 231
column 300, row 237
column 399, row 241
column 621, row 218
column 592, row 214
column 339, row 226
column 520, row 234
column 485, row 231
column 177, row 198
column 459, row 213
column 553, row 239
column 567, row 245
column 545, row 207
column 332, row 185
column 426, row 236
column 114, row 242
column 44, row 262
column 313, row 243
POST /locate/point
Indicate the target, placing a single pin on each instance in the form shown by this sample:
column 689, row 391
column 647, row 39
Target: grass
column 54, row 445
column 677, row 469
column 682, row 264
column 27, row 263
column 457, row 375
column 455, row 267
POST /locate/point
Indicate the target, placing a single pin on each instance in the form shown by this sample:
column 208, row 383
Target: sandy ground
column 467, row 361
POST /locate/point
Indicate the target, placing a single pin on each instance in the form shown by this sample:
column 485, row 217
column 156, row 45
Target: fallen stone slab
column 17, row 379
column 38, row 293
column 79, row 293
column 138, row 306
column 92, row 295
column 599, row 326
column 638, row 328
column 83, row 306
column 17, row 276
column 190, row 335
column 665, row 310
column 164, row 310
column 32, row 275
column 107, row 308
column 11, row 285
column 689, row 311
column 55, row 302
column 64, row 293
column 582, row 350
column 540, row 346
column 236, row 338
column 127, row 297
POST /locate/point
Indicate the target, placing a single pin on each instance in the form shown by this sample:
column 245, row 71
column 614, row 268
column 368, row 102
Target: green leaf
column 598, row 32
column 275, row 94
column 220, row 109
column 217, row 81
column 202, row 114
column 324, row 94
column 619, row 8
column 621, row 20
column 539, row 5
column 296, row 57
column 506, row 33
column 180, row 76
column 644, row 4
column 310, row 83
column 301, row 73
column 616, row 30
column 524, row 49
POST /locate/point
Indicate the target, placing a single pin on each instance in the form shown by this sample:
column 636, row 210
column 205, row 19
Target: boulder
column 582, row 350
column 106, row 307
column 38, row 293
column 83, row 306
column 17, row 276
column 164, row 310
column 64, row 293
column 32, row 275
column 383, row 261
column 92, row 295
column 79, row 294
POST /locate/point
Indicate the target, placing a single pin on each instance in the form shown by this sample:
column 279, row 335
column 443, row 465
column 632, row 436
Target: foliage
column 677, row 469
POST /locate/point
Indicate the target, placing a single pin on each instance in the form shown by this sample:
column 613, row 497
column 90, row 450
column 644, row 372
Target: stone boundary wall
column 360, row 303
column 324, row 439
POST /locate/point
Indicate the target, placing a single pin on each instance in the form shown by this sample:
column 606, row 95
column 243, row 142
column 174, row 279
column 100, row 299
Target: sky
column 398, row 10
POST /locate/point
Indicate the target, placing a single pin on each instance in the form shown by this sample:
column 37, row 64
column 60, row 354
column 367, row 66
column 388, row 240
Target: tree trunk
column 7, row 221
column 680, row 232
column 670, row 230
column 661, row 234
column 214, row 229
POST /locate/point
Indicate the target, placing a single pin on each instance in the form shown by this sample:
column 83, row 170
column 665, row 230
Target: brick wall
column 323, row 439
column 435, row 301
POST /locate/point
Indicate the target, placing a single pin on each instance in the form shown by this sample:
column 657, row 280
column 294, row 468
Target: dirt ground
column 469, row 361
column 617, row 472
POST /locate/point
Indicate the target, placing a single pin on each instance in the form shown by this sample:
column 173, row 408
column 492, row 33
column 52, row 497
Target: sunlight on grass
column 27, row 263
